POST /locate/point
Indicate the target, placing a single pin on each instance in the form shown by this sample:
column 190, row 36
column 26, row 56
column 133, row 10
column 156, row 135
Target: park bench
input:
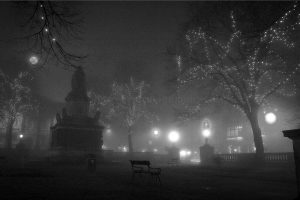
column 144, row 167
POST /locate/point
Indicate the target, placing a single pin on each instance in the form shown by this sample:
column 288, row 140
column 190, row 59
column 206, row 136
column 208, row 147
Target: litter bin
column 91, row 162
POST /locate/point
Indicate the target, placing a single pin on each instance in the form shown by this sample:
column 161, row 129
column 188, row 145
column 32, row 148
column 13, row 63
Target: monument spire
column 77, row 99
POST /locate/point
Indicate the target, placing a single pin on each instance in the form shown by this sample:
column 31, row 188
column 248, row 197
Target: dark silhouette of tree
column 49, row 27
column 15, row 98
column 242, row 67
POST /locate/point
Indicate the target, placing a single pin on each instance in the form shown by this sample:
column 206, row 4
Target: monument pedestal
column 77, row 134
column 294, row 135
column 206, row 154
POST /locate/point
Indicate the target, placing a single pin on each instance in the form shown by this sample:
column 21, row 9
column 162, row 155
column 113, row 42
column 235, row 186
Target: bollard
column 91, row 162
column 206, row 154
column 294, row 135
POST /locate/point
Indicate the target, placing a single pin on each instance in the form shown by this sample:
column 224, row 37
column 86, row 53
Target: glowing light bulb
column 173, row 136
column 270, row 118
column 206, row 133
column 156, row 132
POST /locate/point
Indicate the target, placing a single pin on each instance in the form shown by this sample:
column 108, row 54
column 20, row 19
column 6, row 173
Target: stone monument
column 74, row 128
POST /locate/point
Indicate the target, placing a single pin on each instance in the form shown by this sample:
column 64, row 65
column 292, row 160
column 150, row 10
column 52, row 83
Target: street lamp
column 206, row 134
column 21, row 136
column 270, row 118
column 156, row 132
column 173, row 136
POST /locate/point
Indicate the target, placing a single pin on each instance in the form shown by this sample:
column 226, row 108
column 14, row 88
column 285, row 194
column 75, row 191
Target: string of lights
column 263, row 72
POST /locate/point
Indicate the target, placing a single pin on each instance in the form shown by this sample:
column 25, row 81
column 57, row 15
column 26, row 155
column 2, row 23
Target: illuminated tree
column 244, row 69
column 15, row 98
column 48, row 28
column 130, row 103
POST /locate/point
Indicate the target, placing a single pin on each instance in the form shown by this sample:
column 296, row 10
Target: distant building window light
column 234, row 131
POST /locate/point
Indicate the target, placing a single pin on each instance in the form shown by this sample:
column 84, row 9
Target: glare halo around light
column 270, row 118
column 33, row 60
column 173, row 136
column 206, row 133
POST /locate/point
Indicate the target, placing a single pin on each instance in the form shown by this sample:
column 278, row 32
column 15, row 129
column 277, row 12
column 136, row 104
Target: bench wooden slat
column 143, row 167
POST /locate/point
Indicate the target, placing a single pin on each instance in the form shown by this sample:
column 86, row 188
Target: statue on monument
column 97, row 116
column 77, row 100
column 78, row 83
column 58, row 118
column 64, row 113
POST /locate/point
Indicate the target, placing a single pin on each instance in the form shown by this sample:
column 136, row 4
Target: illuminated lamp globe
column 270, row 118
column 183, row 153
column 155, row 132
column 33, row 60
column 173, row 136
column 206, row 133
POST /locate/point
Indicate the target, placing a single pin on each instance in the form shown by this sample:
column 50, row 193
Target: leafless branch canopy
column 245, row 71
column 49, row 27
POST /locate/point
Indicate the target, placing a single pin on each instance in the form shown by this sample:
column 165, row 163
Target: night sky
column 121, row 39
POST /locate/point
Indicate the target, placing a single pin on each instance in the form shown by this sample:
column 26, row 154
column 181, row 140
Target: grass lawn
column 113, row 181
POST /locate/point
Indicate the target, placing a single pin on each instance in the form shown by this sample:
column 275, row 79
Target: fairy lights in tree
column 245, row 72
column 130, row 102
column 15, row 99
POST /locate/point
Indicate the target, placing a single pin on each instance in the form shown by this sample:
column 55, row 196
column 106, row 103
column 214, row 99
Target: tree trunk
column 38, row 138
column 130, row 140
column 258, row 141
column 9, row 133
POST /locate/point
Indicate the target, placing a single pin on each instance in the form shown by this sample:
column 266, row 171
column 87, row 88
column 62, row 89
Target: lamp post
column 206, row 134
column 174, row 137
column 206, row 151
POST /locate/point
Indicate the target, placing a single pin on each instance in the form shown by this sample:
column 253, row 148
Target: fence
column 272, row 158
column 125, row 156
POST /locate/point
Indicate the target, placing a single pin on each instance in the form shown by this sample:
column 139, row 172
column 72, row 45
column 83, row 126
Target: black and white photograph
column 149, row 100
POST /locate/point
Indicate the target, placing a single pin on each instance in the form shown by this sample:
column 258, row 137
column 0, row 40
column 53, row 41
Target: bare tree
column 244, row 69
column 15, row 99
column 49, row 27
column 130, row 103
